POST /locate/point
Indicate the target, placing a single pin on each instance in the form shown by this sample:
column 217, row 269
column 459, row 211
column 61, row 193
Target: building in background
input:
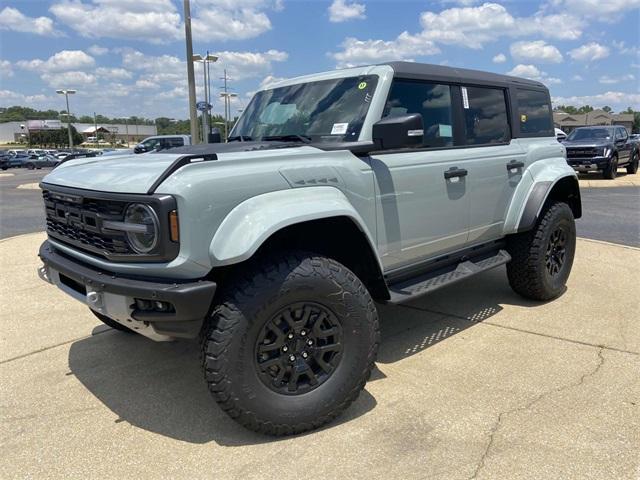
column 569, row 121
column 11, row 132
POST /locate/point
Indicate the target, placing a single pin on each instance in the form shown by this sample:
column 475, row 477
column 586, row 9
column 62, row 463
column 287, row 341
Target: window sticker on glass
column 465, row 98
column 445, row 131
column 362, row 85
column 339, row 128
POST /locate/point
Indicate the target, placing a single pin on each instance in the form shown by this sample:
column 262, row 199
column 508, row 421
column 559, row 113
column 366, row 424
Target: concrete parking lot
column 471, row 382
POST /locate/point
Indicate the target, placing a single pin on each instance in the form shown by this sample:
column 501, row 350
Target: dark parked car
column 602, row 149
column 11, row 161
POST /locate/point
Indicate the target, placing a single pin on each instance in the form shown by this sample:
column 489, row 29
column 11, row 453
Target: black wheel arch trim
column 539, row 195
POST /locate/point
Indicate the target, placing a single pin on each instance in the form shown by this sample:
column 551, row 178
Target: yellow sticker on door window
column 362, row 85
column 523, row 118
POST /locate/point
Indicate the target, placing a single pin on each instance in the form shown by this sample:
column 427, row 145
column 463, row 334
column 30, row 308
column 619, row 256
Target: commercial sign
column 44, row 124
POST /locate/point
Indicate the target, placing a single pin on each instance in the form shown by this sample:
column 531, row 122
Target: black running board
column 407, row 290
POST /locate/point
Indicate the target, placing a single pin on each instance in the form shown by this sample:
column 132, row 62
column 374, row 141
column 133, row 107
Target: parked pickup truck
column 336, row 192
column 602, row 148
column 162, row 142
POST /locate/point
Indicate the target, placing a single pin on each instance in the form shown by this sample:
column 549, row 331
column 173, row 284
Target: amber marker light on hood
column 173, row 226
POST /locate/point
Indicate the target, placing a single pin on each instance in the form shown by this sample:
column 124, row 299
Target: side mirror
column 140, row 148
column 406, row 131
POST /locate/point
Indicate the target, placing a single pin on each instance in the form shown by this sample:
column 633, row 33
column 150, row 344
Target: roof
column 457, row 75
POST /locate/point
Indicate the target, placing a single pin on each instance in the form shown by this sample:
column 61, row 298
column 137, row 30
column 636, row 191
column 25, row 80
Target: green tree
column 607, row 109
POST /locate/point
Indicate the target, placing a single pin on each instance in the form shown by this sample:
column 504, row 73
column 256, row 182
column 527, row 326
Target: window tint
column 432, row 101
column 620, row 133
column 534, row 113
column 485, row 115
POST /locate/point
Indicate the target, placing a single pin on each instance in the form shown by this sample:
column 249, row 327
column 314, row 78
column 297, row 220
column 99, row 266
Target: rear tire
column 111, row 323
column 632, row 168
column 30, row 166
column 612, row 169
column 291, row 344
column 542, row 258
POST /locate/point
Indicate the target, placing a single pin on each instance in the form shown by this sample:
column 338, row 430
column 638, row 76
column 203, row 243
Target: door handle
column 454, row 172
column 514, row 165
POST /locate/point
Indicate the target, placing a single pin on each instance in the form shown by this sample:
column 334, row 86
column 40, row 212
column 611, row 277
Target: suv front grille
column 582, row 152
column 77, row 220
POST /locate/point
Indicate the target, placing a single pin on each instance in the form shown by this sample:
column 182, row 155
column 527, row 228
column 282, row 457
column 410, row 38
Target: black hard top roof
column 413, row 70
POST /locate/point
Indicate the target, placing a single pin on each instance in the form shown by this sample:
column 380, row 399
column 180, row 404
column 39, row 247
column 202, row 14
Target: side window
column 151, row 143
column 432, row 101
column 485, row 115
column 175, row 142
column 618, row 134
column 534, row 113
column 622, row 133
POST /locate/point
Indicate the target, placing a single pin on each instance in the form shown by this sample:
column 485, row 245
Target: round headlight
column 145, row 238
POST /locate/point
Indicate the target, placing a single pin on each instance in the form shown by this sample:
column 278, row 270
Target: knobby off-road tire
column 541, row 259
column 632, row 167
column 611, row 171
column 111, row 323
column 284, row 308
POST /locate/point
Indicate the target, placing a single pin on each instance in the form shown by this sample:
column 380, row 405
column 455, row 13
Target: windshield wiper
column 288, row 138
column 239, row 138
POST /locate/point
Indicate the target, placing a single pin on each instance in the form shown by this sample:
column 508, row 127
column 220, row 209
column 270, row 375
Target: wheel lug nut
column 309, row 342
column 292, row 358
column 305, row 354
column 290, row 336
column 303, row 333
column 285, row 348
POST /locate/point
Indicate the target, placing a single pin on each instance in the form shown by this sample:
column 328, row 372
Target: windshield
column 323, row 111
column 590, row 134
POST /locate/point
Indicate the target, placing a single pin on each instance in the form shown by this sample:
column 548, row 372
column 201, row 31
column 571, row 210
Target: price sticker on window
column 465, row 98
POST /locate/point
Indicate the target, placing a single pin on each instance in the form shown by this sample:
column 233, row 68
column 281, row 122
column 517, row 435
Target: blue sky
column 126, row 57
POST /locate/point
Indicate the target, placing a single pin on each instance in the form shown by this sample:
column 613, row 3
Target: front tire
column 541, row 259
column 291, row 344
column 632, row 168
column 612, row 169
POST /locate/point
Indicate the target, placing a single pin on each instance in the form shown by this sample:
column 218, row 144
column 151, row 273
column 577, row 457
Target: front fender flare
column 253, row 221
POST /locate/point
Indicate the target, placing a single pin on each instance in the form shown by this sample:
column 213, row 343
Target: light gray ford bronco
column 335, row 192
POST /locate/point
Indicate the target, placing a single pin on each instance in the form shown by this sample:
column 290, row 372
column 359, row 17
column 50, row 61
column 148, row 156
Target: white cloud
column 73, row 79
column 499, row 58
column 608, row 10
column 97, row 50
column 537, row 51
column 404, row 47
column 342, row 11
column 614, row 99
column 155, row 21
column 242, row 65
column 13, row 19
column 606, row 79
column 6, row 69
column 589, row 52
column 146, row 84
column 577, row 78
column 224, row 20
column 113, row 73
column 268, row 81
column 61, row 61
column 533, row 73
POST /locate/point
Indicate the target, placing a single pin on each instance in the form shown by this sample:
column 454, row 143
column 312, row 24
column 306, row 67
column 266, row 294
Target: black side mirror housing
column 406, row 131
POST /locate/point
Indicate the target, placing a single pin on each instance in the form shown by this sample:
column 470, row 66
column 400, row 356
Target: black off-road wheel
column 291, row 344
column 111, row 323
column 542, row 258
column 612, row 169
column 632, row 167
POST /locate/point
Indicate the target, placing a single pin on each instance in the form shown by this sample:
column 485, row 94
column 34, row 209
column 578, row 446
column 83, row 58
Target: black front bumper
column 589, row 163
column 191, row 300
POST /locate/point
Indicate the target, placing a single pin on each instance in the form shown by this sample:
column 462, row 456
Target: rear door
column 623, row 145
column 496, row 162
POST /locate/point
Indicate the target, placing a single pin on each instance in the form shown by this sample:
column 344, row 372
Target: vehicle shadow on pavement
column 159, row 386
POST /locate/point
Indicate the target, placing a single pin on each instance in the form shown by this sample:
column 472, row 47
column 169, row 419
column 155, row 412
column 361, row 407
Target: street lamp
column 206, row 60
column 66, row 92
column 227, row 110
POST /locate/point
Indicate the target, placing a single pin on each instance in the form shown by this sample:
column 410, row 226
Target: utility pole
column 226, row 106
column 66, row 92
column 190, row 73
column 95, row 127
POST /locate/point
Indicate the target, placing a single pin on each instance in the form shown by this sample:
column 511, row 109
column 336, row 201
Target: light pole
column 227, row 110
column 66, row 92
column 205, row 60
column 193, row 115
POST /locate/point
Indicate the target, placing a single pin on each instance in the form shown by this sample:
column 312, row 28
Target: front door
column 422, row 195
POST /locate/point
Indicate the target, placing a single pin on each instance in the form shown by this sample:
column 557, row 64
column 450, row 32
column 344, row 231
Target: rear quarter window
column 534, row 113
